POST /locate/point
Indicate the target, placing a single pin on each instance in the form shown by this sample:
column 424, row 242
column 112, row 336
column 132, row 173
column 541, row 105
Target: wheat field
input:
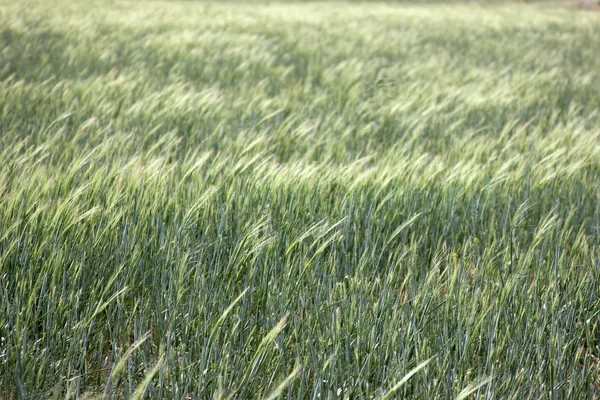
column 309, row 200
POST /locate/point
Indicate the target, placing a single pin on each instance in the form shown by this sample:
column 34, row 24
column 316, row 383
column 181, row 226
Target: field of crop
column 309, row 200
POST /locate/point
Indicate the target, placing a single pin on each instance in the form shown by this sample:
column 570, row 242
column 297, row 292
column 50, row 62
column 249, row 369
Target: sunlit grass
column 307, row 200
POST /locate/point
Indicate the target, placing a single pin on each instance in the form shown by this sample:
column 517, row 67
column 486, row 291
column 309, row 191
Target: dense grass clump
column 319, row 200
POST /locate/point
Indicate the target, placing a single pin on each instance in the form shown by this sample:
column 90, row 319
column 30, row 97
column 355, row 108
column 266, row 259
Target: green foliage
column 308, row 200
